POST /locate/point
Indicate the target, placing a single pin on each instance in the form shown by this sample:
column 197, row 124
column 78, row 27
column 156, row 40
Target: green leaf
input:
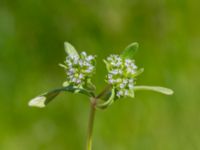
column 107, row 65
column 42, row 100
column 63, row 66
column 66, row 83
column 159, row 89
column 105, row 94
column 108, row 102
column 131, row 93
column 130, row 50
column 37, row 102
column 89, row 85
column 79, row 90
column 70, row 50
column 140, row 71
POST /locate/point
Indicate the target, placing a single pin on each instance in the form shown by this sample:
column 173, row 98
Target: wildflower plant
column 120, row 80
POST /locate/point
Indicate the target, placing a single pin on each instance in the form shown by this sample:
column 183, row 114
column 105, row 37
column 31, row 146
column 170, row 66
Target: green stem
column 93, row 102
column 91, row 123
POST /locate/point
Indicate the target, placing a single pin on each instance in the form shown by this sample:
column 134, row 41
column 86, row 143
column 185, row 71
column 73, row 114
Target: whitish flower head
column 121, row 75
column 79, row 69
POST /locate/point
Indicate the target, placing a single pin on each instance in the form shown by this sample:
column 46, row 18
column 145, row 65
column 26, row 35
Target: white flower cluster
column 79, row 69
column 121, row 74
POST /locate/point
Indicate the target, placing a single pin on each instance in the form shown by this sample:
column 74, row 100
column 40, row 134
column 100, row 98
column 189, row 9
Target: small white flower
column 78, row 81
column 120, row 71
column 111, row 81
column 128, row 62
column 75, row 61
column 122, row 85
column 118, row 64
column 110, row 76
column 118, row 80
column 89, row 69
column 126, row 92
column 125, row 81
column 119, row 94
column 133, row 66
column 84, row 53
column 131, row 86
column 131, row 71
column 89, row 58
column 81, row 76
column 73, row 79
column 81, row 63
column 115, row 72
column 130, row 80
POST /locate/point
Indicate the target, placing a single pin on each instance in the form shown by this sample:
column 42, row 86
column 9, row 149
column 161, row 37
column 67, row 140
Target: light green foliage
column 130, row 51
column 158, row 89
column 70, row 50
column 38, row 102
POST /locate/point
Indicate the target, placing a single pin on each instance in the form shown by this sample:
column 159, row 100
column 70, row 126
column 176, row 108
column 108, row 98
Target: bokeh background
column 32, row 33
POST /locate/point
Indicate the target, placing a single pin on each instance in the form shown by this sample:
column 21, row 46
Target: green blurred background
column 32, row 33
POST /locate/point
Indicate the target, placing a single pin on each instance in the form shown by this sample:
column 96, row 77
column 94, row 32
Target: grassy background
column 32, row 33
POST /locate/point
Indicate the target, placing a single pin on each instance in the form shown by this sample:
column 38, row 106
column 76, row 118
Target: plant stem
column 93, row 102
column 91, row 123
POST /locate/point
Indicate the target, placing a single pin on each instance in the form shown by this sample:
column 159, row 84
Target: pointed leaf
column 42, row 100
column 38, row 102
column 105, row 94
column 131, row 94
column 63, row 66
column 107, row 65
column 159, row 89
column 70, row 50
column 140, row 71
column 89, row 85
column 130, row 50
column 66, row 83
